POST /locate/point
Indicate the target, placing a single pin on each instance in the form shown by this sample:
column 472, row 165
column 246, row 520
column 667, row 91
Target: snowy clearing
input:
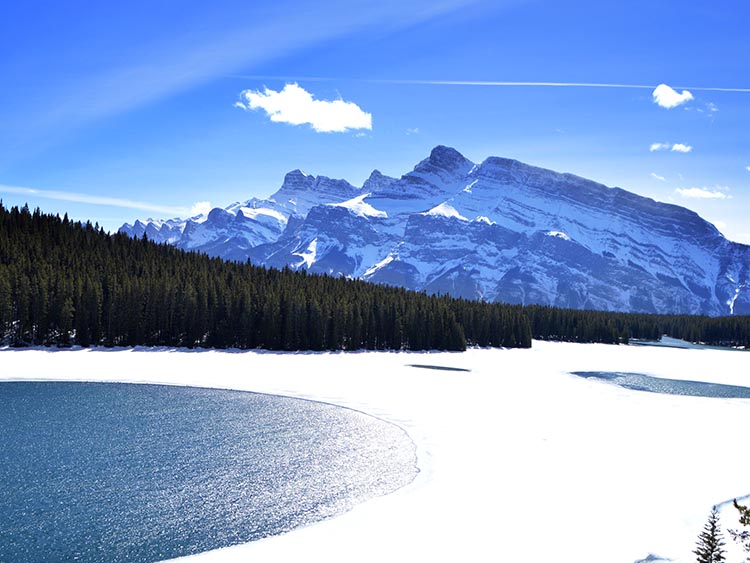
column 519, row 459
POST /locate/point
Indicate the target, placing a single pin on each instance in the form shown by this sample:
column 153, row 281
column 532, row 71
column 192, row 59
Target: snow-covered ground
column 519, row 460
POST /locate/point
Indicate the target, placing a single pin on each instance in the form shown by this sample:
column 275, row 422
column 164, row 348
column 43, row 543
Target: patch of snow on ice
column 483, row 219
column 358, row 206
column 308, row 256
column 467, row 189
column 445, row 210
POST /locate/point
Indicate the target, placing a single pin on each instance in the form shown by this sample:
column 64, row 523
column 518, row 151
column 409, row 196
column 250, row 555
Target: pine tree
column 742, row 537
column 710, row 541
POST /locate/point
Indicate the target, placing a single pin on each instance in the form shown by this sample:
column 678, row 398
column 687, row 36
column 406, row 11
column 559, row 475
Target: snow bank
column 519, row 460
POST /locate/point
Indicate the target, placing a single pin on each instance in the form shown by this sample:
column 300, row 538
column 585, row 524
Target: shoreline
column 513, row 435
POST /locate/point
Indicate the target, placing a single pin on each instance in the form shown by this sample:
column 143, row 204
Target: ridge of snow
column 359, row 207
column 558, row 234
column 445, row 210
column 484, row 219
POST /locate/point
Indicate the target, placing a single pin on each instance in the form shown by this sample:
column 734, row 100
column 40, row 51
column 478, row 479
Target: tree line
column 66, row 283
column 572, row 325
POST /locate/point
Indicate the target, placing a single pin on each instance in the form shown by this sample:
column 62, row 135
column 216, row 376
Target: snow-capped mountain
column 500, row 230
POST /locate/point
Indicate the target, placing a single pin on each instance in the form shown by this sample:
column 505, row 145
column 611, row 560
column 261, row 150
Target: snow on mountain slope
column 360, row 207
column 500, row 230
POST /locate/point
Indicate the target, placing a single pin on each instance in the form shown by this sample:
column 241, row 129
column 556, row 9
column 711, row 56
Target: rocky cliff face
column 500, row 230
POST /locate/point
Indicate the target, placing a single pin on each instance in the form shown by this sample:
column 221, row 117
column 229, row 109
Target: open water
column 642, row 382
column 122, row 473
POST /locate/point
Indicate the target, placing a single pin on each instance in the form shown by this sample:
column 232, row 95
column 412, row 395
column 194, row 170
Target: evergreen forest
column 65, row 283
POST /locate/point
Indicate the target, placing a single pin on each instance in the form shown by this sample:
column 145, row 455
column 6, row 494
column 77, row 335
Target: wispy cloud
column 76, row 197
column 703, row 193
column 674, row 147
column 657, row 177
column 667, row 97
column 747, row 168
column 499, row 83
column 296, row 106
column 187, row 56
column 413, row 131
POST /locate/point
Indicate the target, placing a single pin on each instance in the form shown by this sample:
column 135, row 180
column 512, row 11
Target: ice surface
column 519, row 459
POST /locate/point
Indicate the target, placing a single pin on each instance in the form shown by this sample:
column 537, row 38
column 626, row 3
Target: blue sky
column 114, row 111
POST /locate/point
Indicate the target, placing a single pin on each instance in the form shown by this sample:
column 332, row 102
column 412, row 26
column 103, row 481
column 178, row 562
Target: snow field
column 519, row 459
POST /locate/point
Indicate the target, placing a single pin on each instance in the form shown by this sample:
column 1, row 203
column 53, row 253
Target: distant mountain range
column 500, row 230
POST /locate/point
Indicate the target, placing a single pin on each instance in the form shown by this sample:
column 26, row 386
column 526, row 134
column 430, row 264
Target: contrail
column 95, row 200
column 556, row 84
column 495, row 83
column 489, row 83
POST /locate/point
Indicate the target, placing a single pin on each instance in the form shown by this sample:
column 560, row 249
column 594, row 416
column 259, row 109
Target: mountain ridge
column 499, row 230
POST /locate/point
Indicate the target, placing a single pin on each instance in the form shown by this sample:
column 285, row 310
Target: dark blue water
column 641, row 382
column 118, row 473
column 669, row 342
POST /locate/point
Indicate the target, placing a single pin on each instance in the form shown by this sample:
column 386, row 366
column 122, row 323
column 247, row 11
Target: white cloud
column 721, row 225
column 667, row 97
column 676, row 147
column 703, row 193
column 659, row 147
column 296, row 106
column 679, row 147
column 657, row 177
column 413, row 131
column 200, row 208
column 94, row 200
column 747, row 168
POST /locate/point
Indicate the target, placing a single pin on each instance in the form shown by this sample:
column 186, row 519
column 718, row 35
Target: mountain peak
column 447, row 157
column 297, row 177
column 377, row 181
column 444, row 160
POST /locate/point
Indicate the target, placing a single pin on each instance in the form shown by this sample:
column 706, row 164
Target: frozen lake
column 518, row 458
